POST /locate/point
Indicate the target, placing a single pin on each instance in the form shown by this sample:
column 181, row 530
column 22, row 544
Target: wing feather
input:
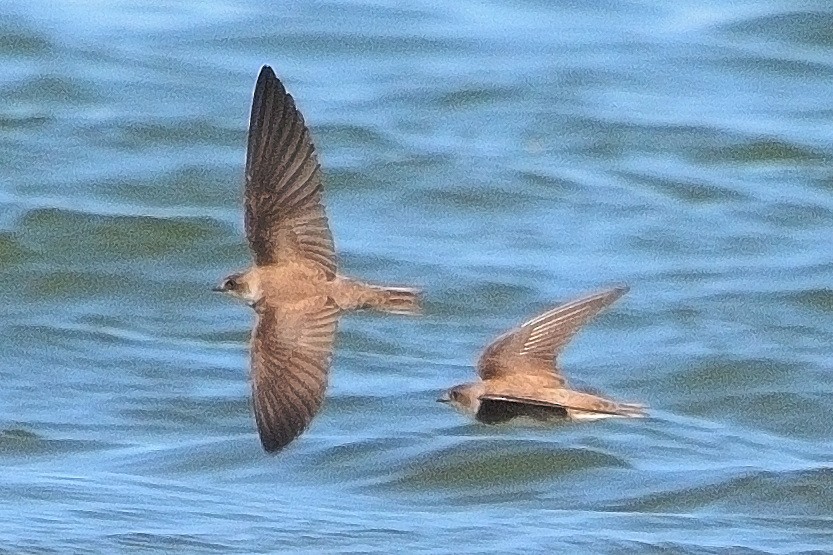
column 291, row 351
column 283, row 212
column 518, row 392
column 532, row 348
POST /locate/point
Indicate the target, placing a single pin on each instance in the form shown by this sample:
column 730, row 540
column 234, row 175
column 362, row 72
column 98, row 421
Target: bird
column 294, row 285
column 519, row 377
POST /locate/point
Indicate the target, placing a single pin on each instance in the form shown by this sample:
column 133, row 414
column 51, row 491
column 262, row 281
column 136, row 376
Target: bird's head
column 464, row 397
column 244, row 286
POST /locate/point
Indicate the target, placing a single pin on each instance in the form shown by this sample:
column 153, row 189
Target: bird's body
column 293, row 286
column 520, row 380
column 297, row 280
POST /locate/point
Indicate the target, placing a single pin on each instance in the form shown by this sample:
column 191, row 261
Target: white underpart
column 580, row 415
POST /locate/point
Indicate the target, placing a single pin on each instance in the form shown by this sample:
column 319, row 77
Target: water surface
column 504, row 156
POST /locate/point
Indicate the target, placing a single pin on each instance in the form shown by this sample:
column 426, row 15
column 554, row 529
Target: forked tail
column 632, row 410
column 396, row 300
column 355, row 295
column 615, row 410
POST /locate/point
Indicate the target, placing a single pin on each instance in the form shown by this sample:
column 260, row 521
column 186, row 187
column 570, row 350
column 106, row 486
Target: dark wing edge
column 568, row 399
column 496, row 411
column 283, row 210
column 291, row 353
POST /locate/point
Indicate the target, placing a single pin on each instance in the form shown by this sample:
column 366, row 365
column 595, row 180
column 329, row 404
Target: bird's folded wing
column 291, row 351
column 533, row 347
column 558, row 397
column 284, row 217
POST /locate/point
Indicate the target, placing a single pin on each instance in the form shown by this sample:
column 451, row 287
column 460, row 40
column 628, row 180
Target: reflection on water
column 504, row 156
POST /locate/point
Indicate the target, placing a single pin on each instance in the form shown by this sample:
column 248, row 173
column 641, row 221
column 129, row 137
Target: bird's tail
column 607, row 409
column 632, row 410
column 617, row 410
column 396, row 300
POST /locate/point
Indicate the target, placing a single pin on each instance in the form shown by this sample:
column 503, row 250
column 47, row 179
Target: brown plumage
column 519, row 376
column 294, row 285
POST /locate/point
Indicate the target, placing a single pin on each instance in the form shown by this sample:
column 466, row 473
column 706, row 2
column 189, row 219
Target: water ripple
column 503, row 157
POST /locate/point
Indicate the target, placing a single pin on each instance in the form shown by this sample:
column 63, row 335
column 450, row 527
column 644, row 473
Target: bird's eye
column 230, row 285
column 454, row 395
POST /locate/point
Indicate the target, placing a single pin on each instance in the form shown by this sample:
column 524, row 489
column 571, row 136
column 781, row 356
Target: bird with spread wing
column 519, row 376
column 293, row 286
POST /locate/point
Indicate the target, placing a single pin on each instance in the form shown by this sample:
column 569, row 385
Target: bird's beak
column 218, row 288
column 444, row 399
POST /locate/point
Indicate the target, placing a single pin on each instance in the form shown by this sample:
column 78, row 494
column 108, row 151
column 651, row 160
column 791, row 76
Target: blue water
column 504, row 156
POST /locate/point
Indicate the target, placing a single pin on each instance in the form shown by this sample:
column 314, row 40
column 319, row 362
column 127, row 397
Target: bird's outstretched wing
column 284, row 217
column 532, row 348
column 291, row 351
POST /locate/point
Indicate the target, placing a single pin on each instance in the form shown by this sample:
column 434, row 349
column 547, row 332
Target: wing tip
column 615, row 291
column 274, row 440
column 621, row 288
column 271, row 445
column 268, row 82
column 267, row 73
column 610, row 295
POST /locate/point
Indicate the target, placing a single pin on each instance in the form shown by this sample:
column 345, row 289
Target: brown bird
column 519, row 377
column 294, row 285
